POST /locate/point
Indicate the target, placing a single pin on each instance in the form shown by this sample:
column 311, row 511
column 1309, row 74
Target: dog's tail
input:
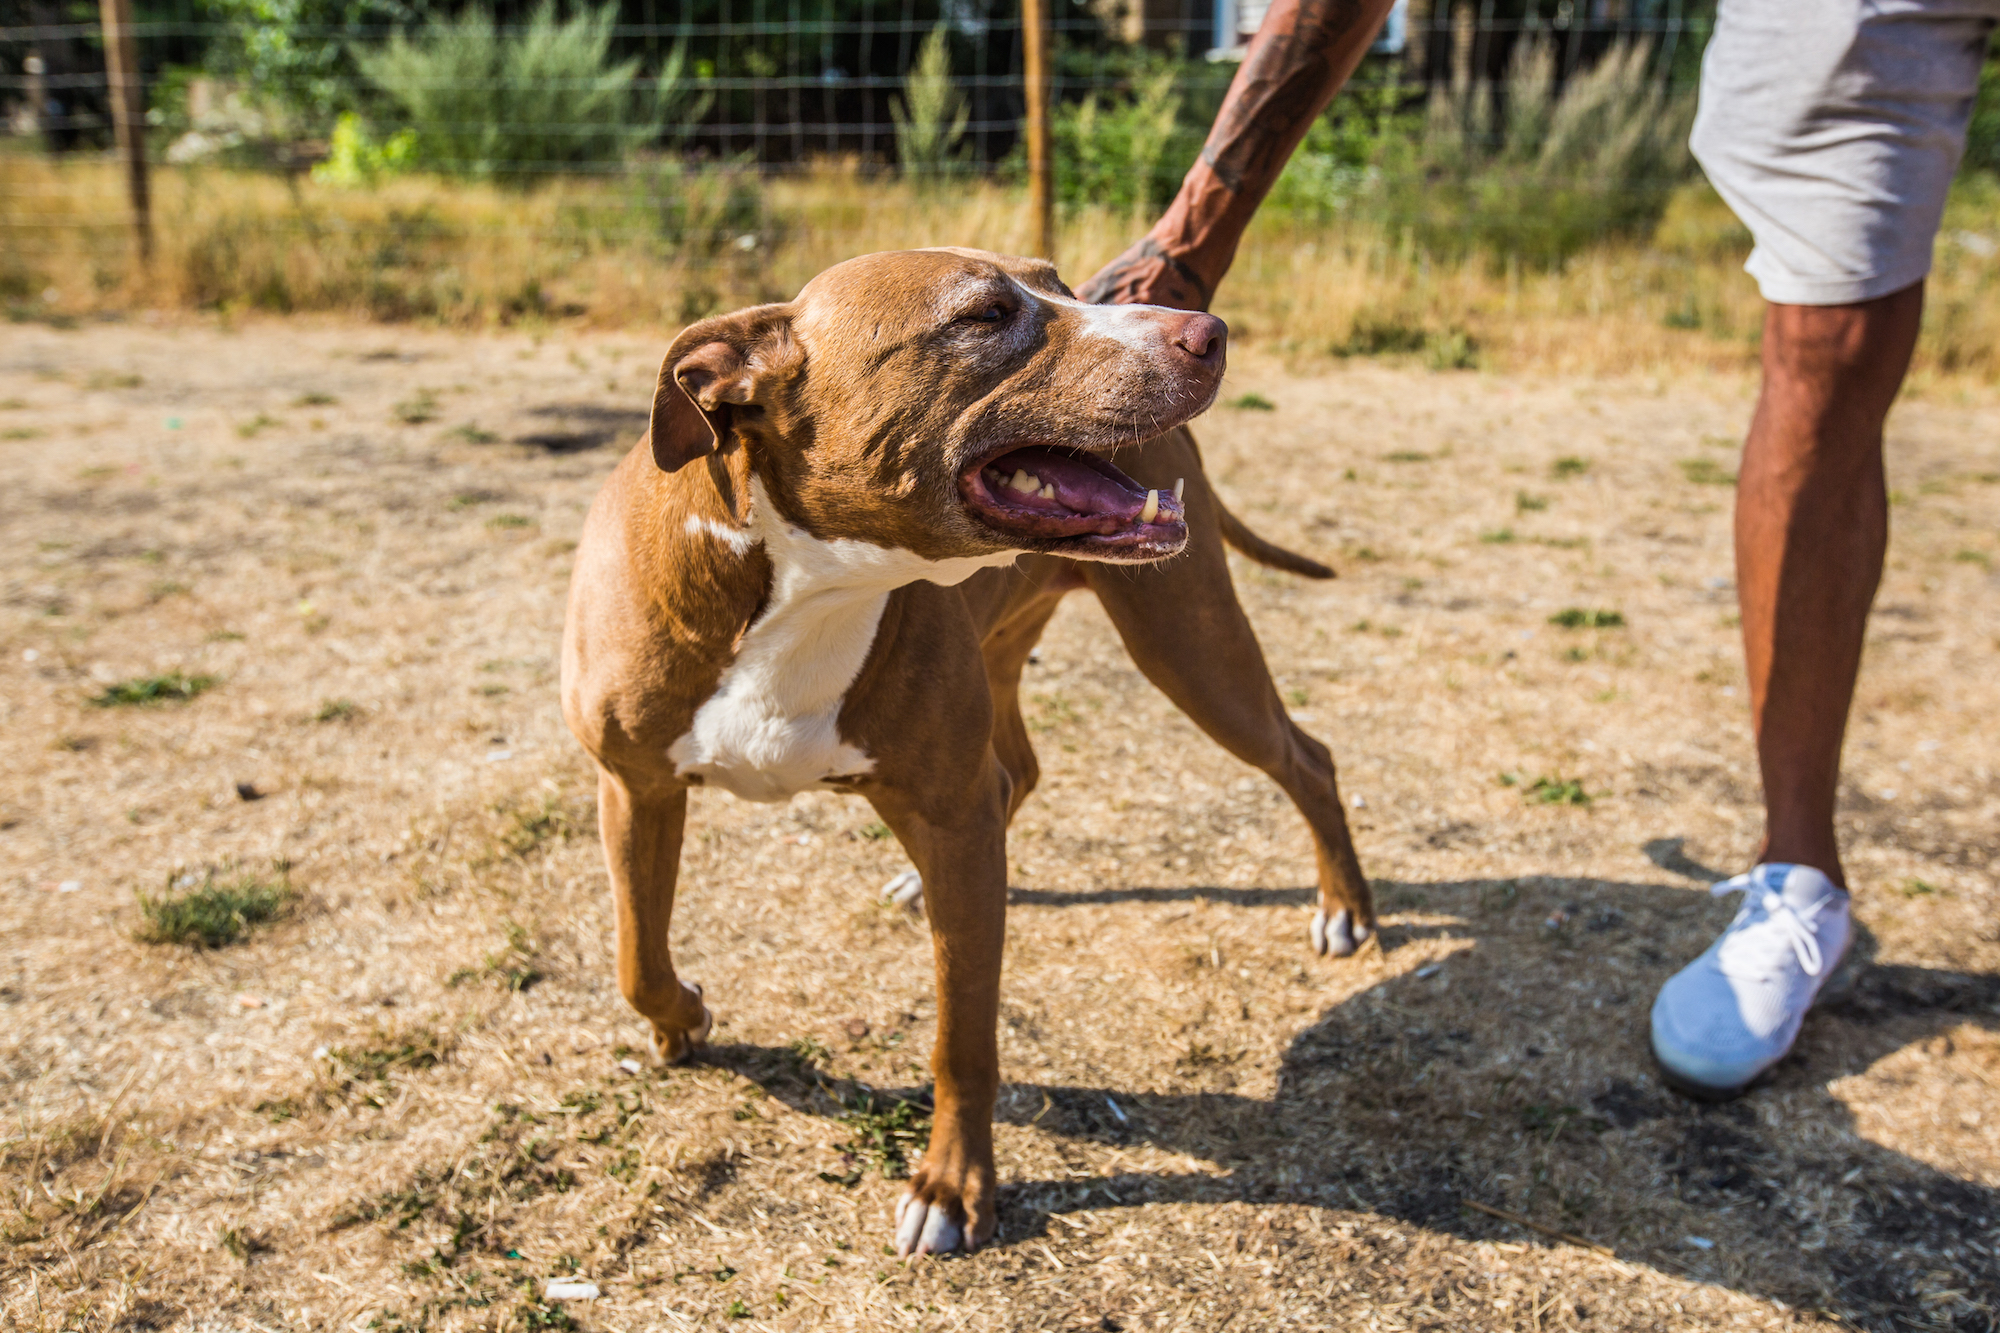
column 1265, row 553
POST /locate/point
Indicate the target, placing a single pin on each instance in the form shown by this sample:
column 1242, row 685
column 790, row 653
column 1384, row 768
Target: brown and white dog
column 825, row 568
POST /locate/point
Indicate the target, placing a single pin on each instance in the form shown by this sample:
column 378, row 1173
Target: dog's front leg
column 950, row 1203
column 642, row 850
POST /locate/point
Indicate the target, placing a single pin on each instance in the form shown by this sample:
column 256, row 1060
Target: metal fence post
column 1035, row 70
column 128, row 114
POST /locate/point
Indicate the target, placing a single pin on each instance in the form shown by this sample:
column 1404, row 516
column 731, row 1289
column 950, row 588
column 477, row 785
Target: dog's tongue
column 1043, row 478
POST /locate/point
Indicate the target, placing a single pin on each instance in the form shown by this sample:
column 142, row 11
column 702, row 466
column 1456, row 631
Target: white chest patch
column 771, row 729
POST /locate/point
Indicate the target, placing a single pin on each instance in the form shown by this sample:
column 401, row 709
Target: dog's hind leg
column 642, row 850
column 1185, row 629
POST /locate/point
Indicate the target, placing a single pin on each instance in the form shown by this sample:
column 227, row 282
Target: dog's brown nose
column 1201, row 336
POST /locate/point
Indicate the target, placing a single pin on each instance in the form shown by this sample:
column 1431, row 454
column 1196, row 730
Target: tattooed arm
column 1301, row 55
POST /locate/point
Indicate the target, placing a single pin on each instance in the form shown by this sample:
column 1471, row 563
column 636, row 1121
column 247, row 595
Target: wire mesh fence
column 402, row 156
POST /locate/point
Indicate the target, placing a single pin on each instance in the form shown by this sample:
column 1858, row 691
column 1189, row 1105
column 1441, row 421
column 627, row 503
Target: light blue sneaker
column 1734, row 1012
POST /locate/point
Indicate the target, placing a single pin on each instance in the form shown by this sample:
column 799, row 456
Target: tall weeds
column 932, row 115
column 1530, row 176
column 667, row 243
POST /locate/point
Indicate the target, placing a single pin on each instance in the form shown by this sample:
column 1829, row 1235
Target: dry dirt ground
column 401, row 1104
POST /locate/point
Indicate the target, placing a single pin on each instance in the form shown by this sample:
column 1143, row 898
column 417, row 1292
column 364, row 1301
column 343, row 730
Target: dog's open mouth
column 1073, row 499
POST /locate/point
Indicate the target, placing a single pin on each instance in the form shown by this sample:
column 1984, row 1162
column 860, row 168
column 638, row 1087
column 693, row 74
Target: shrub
column 1524, row 173
column 483, row 102
column 931, row 119
column 1122, row 152
column 354, row 159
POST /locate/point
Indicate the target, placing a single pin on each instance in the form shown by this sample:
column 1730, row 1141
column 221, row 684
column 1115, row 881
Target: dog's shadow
column 1518, row 1075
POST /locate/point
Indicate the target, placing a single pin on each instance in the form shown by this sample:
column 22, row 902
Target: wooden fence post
column 1035, row 69
column 128, row 114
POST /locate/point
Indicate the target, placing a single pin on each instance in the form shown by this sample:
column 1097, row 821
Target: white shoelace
column 1755, row 946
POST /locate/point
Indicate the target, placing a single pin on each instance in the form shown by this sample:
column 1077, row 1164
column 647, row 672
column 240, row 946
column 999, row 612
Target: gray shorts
column 1833, row 128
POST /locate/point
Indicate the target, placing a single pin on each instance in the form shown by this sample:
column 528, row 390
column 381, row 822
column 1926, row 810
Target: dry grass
column 593, row 251
column 400, row 1104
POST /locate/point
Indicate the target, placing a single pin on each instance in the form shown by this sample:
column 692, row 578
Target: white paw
column 1336, row 935
column 906, row 891
column 924, row 1228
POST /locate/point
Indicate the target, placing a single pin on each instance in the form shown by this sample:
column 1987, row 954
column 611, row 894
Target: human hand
column 1146, row 275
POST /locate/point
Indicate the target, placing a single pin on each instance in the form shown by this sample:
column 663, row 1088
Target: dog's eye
column 992, row 314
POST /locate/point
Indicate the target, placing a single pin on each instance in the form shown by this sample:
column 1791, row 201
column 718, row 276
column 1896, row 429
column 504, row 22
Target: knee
column 1845, row 357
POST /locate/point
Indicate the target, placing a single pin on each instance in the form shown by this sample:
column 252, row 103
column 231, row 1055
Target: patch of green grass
column 467, row 499
column 535, row 1313
column 1252, row 402
column 505, row 522
column 888, row 1132
column 1556, row 791
column 1454, row 349
column 212, row 914
column 1530, row 504
column 13, row 404
column 1380, row 335
column 415, row 410
column 1565, row 468
column 314, row 400
column 1497, row 537
column 1406, row 456
column 512, row 966
column 1917, row 888
column 528, row 828
column 1297, row 696
column 169, row 687
column 20, row 433
column 874, row 830
column 106, row 379
column 373, row 1064
column 337, row 710
column 260, row 422
column 1968, row 556
column 1576, row 617
column 1707, row 472
column 471, row 434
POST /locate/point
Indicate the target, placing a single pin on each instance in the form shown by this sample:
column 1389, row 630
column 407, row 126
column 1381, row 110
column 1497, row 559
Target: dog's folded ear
column 712, row 369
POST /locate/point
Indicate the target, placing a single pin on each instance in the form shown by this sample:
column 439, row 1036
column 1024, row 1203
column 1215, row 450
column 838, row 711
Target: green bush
column 292, row 55
column 1982, row 135
column 1124, row 151
column 931, row 119
column 1518, row 172
column 1534, row 176
column 484, row 102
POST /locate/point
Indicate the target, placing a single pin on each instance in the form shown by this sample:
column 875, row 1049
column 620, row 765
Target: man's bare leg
column 1812, row 521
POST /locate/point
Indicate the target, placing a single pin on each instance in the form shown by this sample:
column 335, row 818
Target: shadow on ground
column 1518, row 1075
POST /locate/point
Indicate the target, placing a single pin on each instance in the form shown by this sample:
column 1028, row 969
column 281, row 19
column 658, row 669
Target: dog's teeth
column 1048, row 491
column 1180, row 484
column 1024, row 483
column 1152, row 509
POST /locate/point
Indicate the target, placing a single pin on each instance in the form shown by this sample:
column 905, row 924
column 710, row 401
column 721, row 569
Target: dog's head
column 950, row 402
